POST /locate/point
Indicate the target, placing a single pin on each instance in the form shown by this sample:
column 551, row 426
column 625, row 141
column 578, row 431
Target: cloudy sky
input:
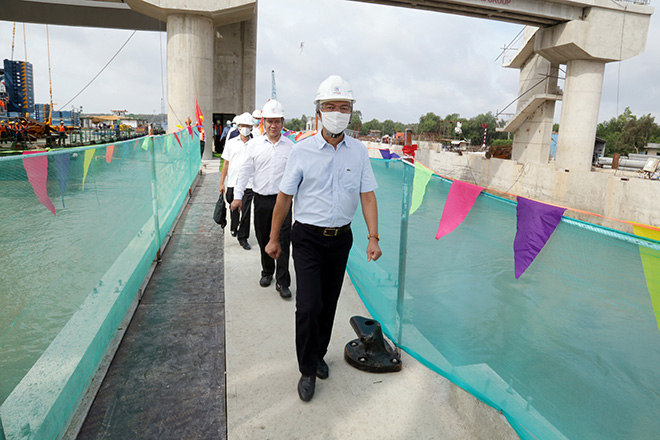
column 401, row 63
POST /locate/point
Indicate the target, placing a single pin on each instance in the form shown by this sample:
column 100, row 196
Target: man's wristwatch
column 376, row 236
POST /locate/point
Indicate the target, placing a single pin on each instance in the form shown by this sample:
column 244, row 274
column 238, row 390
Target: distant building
column 310, row 125
column 651, row 150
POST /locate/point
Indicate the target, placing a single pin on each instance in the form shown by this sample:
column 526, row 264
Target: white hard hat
column 256, row 114
column 244, row 119
column 273, row 109
column 334, row 88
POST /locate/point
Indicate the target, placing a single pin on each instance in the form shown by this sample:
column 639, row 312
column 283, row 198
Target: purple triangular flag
column 385, row 153
column 536, row 223
column 62, row 168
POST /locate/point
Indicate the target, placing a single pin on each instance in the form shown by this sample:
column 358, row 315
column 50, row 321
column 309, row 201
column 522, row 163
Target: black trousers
column 240, row 221
column 320, row 264
column 263, row 216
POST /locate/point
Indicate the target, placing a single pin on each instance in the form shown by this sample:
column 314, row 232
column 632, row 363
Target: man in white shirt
column 234, row 156
column 328, row 173
column 265, row 162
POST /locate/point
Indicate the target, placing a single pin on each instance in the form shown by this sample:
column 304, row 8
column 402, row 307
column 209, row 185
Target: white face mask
column 245, row 131
column 335, row 122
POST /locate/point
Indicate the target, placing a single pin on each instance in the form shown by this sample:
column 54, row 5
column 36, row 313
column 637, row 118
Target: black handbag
column 220, row 213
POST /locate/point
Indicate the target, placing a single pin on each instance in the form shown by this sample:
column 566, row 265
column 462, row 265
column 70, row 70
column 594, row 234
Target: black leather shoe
column 233, row 233
column 245, row 245
column 306, row 387
column 322, row 370
column 285, row 292
column 265, row 280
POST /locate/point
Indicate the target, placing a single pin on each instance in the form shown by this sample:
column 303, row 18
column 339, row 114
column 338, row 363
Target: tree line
column 628, row 133
column 430, row 127
column 623, row 134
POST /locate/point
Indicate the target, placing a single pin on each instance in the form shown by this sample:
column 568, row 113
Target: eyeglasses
column 329, row 107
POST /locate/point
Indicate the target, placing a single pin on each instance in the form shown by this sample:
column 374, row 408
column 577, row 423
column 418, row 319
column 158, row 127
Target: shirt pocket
column 350, row 180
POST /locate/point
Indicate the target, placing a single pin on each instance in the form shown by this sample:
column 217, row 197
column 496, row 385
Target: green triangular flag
column 422, row 177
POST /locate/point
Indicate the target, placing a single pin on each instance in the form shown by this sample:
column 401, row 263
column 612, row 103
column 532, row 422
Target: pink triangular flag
column 108, row 153
column 37, row 173
column 460, row 199
column 536, row 222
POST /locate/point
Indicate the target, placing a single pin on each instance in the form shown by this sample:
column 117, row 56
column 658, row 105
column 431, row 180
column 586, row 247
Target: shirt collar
column 321, row 142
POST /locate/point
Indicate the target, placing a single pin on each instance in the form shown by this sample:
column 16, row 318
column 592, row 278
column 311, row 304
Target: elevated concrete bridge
column 211, row 55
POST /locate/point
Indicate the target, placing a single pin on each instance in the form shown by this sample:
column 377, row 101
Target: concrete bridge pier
column 189, row 70
column 579, row 114
column 612, row 32
column 211, row 57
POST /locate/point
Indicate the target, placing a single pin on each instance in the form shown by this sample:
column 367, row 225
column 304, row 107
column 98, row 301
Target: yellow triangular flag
column 89, row 155
column 651, row 263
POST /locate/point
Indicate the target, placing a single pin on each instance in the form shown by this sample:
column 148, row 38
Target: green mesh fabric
column 569, row 350
column 67, row 279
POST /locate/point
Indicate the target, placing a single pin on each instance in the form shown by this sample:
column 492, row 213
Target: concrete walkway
column 262, row 376
column 166, row 381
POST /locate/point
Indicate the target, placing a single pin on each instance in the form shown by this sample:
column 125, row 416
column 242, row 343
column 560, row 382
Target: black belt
column 327, row 232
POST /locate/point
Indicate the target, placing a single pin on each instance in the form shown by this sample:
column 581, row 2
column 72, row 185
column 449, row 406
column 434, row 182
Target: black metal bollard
column 370, row 352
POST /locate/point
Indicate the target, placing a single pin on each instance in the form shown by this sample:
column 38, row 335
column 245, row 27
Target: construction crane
column 273, row 90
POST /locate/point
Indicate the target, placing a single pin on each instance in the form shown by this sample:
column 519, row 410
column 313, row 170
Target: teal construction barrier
column 570, row 350
column 79, row 230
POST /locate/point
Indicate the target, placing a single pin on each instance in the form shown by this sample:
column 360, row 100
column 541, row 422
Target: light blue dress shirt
column 327, row 183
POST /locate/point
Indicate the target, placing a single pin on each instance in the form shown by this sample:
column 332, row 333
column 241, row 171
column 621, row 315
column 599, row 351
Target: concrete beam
column 222, row 12
column 527, row 12
column 604, row 34
column 86, row 13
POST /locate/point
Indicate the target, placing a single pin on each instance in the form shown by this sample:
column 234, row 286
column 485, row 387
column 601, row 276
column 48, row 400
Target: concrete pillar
column 531, row 142
column 579, row 114
column 235, row 67
column 190, row 72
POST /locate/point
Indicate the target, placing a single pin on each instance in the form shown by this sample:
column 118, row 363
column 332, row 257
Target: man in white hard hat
column 266, row 159
column 328, row 173
column 234, row 156
column 223, row 136
column 257, row 127
column 233, row 131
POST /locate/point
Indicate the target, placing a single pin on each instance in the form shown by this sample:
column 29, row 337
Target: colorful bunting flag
column 89, row 155
column 304, row 135
column 651, row 264
column 460, row 200
column 177, row 139
column 385, row 152
column 422, row 177
column 37, row 173
column 62, row 167
column 198, row 115
column 108, row 153
column 145, row 143
column 536, row 222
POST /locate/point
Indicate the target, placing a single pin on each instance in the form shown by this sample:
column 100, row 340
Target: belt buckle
column 331, row 234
